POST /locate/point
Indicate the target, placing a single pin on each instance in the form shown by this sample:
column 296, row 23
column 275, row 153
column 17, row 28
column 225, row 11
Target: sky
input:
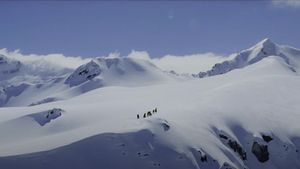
column 97, row 28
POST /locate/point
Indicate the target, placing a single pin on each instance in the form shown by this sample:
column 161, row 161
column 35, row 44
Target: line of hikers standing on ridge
column 149, row 113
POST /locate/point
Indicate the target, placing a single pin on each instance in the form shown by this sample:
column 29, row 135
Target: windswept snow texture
column 247, row 118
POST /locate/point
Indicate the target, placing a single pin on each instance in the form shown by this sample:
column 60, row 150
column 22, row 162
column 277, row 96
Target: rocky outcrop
column 266, row 138
column 234, row 145
column 45, row 117
column 260, row 151
column 83, row 73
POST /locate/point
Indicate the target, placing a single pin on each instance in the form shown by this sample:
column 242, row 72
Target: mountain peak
column 264, row 48
column 266, row 44
column 84, row 73
column 266, row 41
column 261, row 50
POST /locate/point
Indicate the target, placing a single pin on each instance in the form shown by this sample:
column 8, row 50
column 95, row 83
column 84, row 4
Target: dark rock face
column 237, row 148
column 45, row 117
column 203, row 158
column 84, row 73
column 202, row 74
column 223, row 136
column 234, row 145
column 267, row 138
column 260, row 151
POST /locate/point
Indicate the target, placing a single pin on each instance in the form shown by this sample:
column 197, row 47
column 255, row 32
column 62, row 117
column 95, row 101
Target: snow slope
column 245, row 118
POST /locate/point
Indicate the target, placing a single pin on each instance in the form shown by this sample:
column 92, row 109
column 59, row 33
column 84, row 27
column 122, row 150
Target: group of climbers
column 149, row 113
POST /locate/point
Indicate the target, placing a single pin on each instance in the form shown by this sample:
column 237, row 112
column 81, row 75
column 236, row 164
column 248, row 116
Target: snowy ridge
column 117, row 70
column 83, row 73
column 253, row 55
column 25, row 89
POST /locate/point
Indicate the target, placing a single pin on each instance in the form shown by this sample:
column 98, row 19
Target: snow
column 21, row 90
column 263, row 49
column 200, row 123
column 8, row 66
column 84, row 73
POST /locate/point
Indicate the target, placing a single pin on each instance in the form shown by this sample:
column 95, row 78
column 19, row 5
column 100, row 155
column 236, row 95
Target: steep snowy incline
column 246, row 118
column 255, row 54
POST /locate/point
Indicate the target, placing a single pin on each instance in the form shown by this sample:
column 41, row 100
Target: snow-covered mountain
column 247, row 118
column 117, row 70
column 263, row 49
column 20, row 87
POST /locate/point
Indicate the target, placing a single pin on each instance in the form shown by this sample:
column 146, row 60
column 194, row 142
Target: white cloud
column 56, row 63
column 58, row 60
column 45, row 66
column 188, row 63
column 182, row 64
column 286, row 3
column 139, row 55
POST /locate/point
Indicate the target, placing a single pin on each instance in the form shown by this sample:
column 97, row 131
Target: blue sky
column 88, row 29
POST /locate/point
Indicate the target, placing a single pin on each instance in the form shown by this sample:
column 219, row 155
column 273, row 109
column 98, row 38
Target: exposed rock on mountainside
column 260, row 151
column 83, row 73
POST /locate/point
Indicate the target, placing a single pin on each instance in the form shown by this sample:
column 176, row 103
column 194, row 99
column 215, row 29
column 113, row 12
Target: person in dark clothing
column 149, row 113
column 137, row 116
column 144, row 115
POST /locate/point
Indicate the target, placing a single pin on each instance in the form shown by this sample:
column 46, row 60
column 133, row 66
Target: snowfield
column 245, row 116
